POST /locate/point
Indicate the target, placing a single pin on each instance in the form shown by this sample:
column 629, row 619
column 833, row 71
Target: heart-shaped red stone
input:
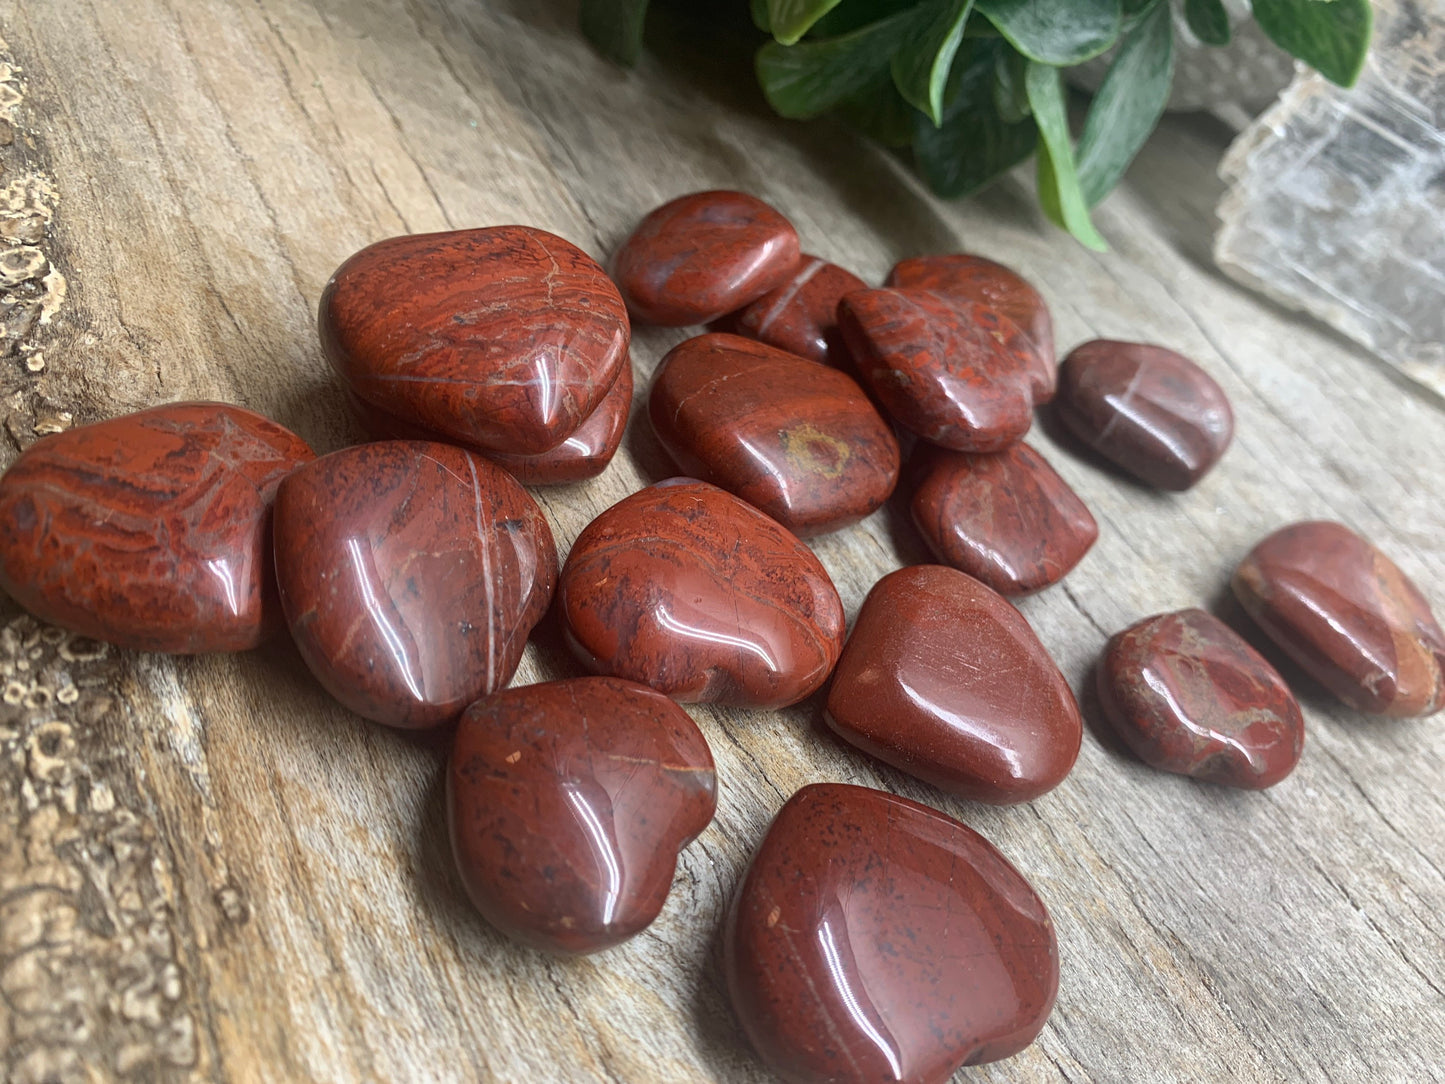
column 801, row 316
column 411, row 575
column 568, row 804
column 150, row 531
column 875, row 939
column 798, row 440
column 504, row 338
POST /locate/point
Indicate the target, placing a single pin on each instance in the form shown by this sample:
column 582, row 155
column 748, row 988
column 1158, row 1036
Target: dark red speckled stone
column 701, row 256
column 411, row 574
column 798, row 440
column 875, row 939
column 568, row 804
column 1348, row 615
column 954, row 372
column 945, row 680
column 685, row 588
column 1153, row 412
column 150, row 531
column 801, row 316
column 1189, row 695
column 1005, row 518
column 504, row 338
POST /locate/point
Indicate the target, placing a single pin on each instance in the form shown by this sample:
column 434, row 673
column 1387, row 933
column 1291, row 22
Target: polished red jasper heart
column 411, row 574
column 687, row 589
column 801, row 316
column 798, row 440
column 875, row 939
column 954, row 372
column 945, row 680
column 1153, row 412
column 1348, row 615
column 568, row 803
column 1005, row 518
column 1189, row 695
column 150, row 531
column 505, row 338
column 701, row 256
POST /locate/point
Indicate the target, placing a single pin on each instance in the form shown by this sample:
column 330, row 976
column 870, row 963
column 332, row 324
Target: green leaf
column 1056, row 32
column 790, row 19
column 804, row 80
column 1009, row 96
column 614, row 27
column 1208, row 21
column 1331, row 36
column 920, row 68
column 1059, row 191
column 759, row 12
column 880, row 113
column 856, row 14
column 1128, row 104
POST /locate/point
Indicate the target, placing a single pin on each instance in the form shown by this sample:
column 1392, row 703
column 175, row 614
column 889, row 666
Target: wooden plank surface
column 209, row 871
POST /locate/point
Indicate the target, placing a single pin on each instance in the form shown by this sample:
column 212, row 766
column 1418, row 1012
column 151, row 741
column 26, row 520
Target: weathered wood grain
column 209, row 871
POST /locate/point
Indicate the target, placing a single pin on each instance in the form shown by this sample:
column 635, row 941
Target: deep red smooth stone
column 1005, row 518
column 955, row 372
column 702, row 255
column 796, row 439
column 801, row 316
column 1189, row 695
column 875, row 939
column 685, row 588
column 973, row 278
column 1348, row 615
column 411, row 574
column 504, row 338
column 945, row 680
column 1153, row 412
column 568, row 803
column 150, row 531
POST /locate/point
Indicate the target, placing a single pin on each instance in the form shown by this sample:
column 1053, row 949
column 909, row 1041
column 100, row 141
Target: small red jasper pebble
column 801, row 316
column 704, row 255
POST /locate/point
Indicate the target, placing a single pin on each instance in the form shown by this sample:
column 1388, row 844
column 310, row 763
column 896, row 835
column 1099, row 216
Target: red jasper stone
column 1005, row 518
column 972, row 278
column 945, row 680
column 875, row 939
column 150, row 531
column 701, row 256
column 801, row 316
column 955, row 372
column 1189, row 695
column 685, row 588
column 411, row 574
column 568, row 803
column 505, row 338
column 798, row 440
column 1348, row 615
column 1153, row 412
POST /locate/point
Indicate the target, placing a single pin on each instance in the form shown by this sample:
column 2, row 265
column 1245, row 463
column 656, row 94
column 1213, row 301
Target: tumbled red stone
column 568, row 803
column 801, row 316
column 411, row 574
column 1151, row 411
column 1189, row 695
column 798, row 440
column 1348, row 615
column 945, row 680
column 685, row 588
column 1005, row 518
column 702, row 255
column 955, row 372
column 504, row 338
column 150, row 531
column 875, row 939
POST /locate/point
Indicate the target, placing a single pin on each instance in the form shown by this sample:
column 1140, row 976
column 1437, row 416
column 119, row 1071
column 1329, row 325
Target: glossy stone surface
column 1153, row 412
column 920, row 686
column 150, row 531
column 1189, row 695
column 875, row 939
column 801, row 316
column 1348, row 615
column 411, row 574
column 1005, row 518
column 568, row 803
column 798, row 440
column 954, row 372
column 504, row 338
column 685, row 588
column 703, row 255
